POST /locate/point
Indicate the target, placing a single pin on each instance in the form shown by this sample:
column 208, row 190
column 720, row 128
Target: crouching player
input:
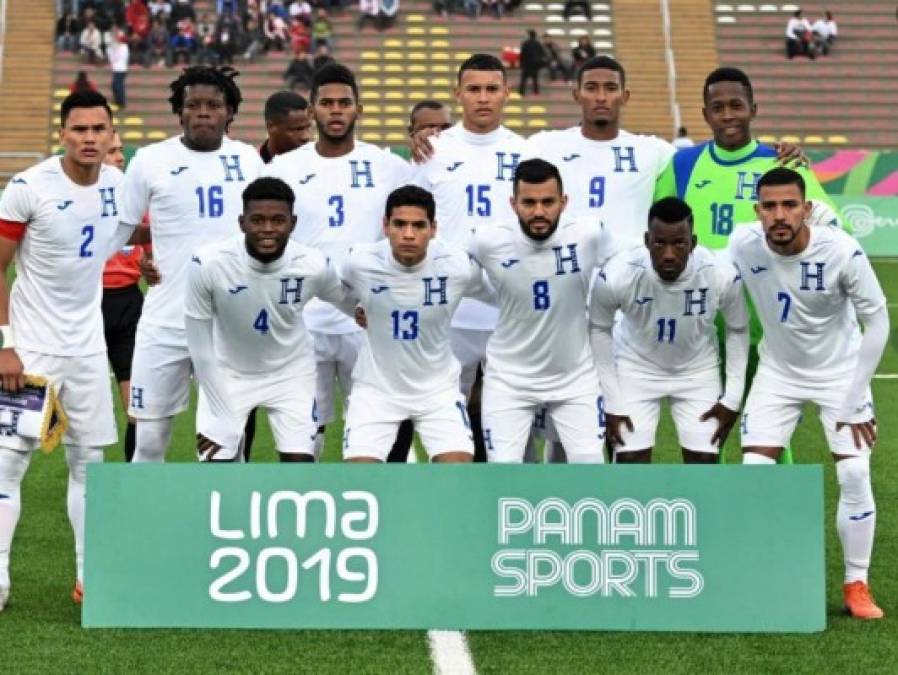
column 812, row 287
column 409, row 286
column 665, row 345
column 245, row 332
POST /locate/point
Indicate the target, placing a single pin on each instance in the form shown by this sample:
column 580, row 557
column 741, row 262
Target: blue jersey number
column 597, row 192
column 211, row 201
column 722, row 219
column 541, row 300
column 479, row 200
column 88, row 233
column 401, row 332
column 261, row 322
column 784, row 298
column 667, row 330
column 339, row 216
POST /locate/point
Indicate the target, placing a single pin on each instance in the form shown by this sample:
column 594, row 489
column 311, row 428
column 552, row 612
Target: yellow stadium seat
column 56, row 149
column 514, row 96
column 415, row 30
column 417, row 95
column 133, row 121
column 369, row 96
column 417, row 56
column 837, row 140
column 436, row 44
column 393, row 68
column 372, row 137
column 536, row 109
column 514, row 124
column 394, row 122
column 417, row 68
column 156, row 135
column 439, row 56
column 113, row 107
column 393, row 56
column 57, row 107
column 393, row 43
column 513, row 110
column 370, row 81
column 370, row 121
column 442, row 95
column 441, row 82
column 61, row 93
column 461, row 56
column 372, row 109
column 813, row 138
column 439, row 30
column 394, row 137
column 132, row 136
column 394, row 82
column 790, row 139
column 537, row 124
column 439, row 68
column 370, row 55
column 370, row 68
column 417, row 44
column 417, row 82
column 768, row 139
column 394, row 109
column 415, row 18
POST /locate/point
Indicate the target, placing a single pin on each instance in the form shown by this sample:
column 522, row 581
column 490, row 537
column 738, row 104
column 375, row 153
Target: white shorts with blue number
column 160, row 373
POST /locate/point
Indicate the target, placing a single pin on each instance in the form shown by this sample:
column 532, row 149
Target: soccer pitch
column 40, row 629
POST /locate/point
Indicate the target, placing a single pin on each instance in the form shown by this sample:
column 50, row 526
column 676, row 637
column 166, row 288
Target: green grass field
column 40, row 630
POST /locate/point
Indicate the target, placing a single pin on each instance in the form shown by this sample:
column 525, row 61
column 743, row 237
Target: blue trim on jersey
column 683, row 162
column 760, row 151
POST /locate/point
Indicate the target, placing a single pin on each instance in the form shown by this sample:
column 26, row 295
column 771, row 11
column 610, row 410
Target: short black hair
column 486, row 62
column 270, row 188
column 728, row 74
column 606, row 62
column 282, row 103
column 426, row 104
column 220, row 77
column 782, row 176
column 536, row 171
column 83, row 99
column 670, row 210
column 333, row 73
column 411, row 195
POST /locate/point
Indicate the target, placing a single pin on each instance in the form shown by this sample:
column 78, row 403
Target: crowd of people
column 804, row 38
column 535, row 55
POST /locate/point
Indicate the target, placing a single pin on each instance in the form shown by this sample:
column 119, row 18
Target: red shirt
column 123, row 269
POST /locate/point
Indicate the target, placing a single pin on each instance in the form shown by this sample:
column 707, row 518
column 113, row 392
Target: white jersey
column 256, row 307
column 666, row 328
column 65, row 231
column 471, row 177
column 807, row 302
column 339, row 204
column 409, row 309
column 612, row 181
column 193, row 199
column 541, row 343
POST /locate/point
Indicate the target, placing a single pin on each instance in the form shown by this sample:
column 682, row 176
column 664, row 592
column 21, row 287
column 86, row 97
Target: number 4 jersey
column 64, row 232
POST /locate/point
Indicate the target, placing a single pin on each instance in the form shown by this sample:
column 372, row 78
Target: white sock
column 855, row 516
column 13, row 465
column 319, row 443
column 151, row 440
column 757, row 458
column 78, row 457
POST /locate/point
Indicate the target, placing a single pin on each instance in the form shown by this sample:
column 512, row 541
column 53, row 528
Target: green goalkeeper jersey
column 721, row 186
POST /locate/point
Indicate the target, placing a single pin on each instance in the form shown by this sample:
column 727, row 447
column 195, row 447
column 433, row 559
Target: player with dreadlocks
column 191, row 184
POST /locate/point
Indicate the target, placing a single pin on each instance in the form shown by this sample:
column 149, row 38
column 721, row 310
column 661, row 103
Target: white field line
column 449, row 652
column 886, row 376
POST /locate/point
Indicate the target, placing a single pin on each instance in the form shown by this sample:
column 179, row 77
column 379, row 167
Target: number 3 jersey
column 808, row 303
column 193, row 199
column 65, row 232
column 541, row 343
column 409, row 311
column 257, row 307
column 339, row 204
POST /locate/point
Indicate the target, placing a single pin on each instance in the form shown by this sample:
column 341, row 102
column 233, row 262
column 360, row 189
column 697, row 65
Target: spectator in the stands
column 139, row 23
column 582, row 5
column 183, row 42
column 226, row 6
column 82, row 83
column 159, row 8
column 555, row 62
column 322, row 31
column 509, row 6
column 299, row 74
column 369, row 11
column 182, row 9
column 158, row 50
column 205, row 39
column 582, row 52
column 825, row 31
column 302, row 10
column 444, row 7
column 682, row 140
column 389, row 10
column 118, row 63
column 253, row 40
column 532, row 61
column 493, row 7
column 299, row 37
column 277, row 8
column 137, row 9
column 275, row 33
column 322, row 57
column 68, row 33
column 227, row 37
column 472, row 8
column 799, row 37
column 91, row 43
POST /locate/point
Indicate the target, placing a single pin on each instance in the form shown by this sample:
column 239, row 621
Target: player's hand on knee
column 863, row 433
column 148, row 268
column 725, row 417
column 790, row 154
column 613, row 432
column 207, row 449
column 12, row 372
column 421, row 149
column 361, row 318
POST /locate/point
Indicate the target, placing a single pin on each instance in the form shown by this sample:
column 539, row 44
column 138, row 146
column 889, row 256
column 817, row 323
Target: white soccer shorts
column 160, row 373
column 773, row 410
column 373, row 420
column 335, row 357
column 287, row 395
column 84, row 390
column 469, row 347
column 508, row 416
column 690, row 398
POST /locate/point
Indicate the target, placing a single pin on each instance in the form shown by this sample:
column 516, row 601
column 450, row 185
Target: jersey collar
column 733, row 157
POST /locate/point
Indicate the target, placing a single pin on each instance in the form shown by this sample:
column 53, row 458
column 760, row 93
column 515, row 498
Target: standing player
column 192, row 185
column 287, row 123
column 341, row 186
column 540, row 267
column 665, row 345
column 812, row 287
column 409, row 287
column 58, row 220
column 245, row 330
column 470, row 175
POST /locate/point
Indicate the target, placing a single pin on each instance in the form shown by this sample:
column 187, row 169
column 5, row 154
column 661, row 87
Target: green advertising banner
column 672, row 548
column 874, row 222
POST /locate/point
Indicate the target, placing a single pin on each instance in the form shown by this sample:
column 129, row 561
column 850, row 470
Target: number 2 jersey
column 339, row 204
column 807, row 302
column 64, row 232
column 409, row 311
column 193, row 199
column 541, row 342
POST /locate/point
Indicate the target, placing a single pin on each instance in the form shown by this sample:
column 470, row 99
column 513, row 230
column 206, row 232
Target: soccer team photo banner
column 659, row 548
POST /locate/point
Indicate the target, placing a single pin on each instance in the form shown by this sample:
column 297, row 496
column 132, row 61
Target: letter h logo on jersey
column 430, row 290
column 691, row 301
column 502, row 166
column 745, row 183
column 806, row 276
column 287, row 290
column 358, row 174
column 107, row 197
column 629, row 156
column 561, row 260
column 231, row 163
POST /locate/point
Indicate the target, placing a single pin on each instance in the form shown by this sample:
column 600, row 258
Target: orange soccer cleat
column 78, row 593
column 859, row 603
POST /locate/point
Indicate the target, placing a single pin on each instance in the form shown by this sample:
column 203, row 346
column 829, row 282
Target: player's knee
column 78, row 457
column 853, row 474
column 151, row 439
column 13, row 465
